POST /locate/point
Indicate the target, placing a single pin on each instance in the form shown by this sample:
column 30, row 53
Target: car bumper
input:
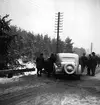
column 62, row 71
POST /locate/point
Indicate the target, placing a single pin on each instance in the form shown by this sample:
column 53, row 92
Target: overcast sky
column 81, row 18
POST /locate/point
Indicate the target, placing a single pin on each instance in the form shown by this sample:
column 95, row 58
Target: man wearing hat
column 40, row 64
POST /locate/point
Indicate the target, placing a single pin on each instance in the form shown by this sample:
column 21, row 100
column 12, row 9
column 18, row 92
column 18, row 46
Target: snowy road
column 33, row 90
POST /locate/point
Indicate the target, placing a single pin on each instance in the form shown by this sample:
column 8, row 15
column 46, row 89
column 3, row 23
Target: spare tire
column 69, row 69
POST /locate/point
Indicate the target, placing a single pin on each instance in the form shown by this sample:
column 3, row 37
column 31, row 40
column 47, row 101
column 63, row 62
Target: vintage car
column 67, row 63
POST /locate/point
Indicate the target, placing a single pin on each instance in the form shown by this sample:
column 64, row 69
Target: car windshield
column 67, row 59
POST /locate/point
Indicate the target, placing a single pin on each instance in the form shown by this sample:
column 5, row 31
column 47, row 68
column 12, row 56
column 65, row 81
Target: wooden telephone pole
column 58, row 29
column 91, row 47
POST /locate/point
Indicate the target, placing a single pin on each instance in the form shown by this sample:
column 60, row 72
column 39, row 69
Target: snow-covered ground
column 51, row 92
column 27, row 65
column 16, row 78
column 30, row 65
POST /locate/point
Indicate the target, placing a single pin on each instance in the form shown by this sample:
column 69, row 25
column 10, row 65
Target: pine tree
column 68, row 45
column 5, row 39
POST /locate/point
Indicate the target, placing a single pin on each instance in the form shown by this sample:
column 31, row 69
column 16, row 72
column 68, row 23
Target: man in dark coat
column 40, row 64
column 94, row 63
column 89, row 64
column 83, row 62
column 50, row 64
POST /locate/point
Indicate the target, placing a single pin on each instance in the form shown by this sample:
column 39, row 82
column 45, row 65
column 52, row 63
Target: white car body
column 67, row 63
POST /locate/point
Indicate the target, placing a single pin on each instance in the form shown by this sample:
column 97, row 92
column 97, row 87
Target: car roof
column 67, row 55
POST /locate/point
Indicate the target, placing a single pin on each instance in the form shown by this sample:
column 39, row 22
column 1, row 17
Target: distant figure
column 83, row 62
column 40, row 64
column 89, row 64
column 94, row 63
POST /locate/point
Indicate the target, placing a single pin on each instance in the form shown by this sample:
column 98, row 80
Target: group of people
column 47, row 64
column 89, row 62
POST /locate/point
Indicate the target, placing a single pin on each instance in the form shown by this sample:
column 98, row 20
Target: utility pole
column 91, row 47
column 58, row 29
